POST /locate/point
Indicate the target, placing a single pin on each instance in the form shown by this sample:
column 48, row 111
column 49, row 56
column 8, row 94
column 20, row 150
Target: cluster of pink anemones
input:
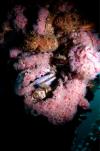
column 42, row 16
column 63, row 105
column 84, row 58
column 20, row 21
column 32, row 67
column 84, row 61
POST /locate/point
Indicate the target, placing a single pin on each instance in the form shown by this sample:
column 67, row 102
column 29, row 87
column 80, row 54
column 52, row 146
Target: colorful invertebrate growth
column 20, row 21
column 44, row 43
column 56, row 59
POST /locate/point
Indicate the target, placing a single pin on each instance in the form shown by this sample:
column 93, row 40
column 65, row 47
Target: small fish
column 40, row 93
column 47, row 80
column 42, row 86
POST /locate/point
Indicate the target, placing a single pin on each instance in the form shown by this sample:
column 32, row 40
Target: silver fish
column 42, row 87
column 46, row 79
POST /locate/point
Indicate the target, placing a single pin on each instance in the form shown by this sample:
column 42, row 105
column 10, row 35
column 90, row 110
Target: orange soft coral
column 44, row 43
column 67, row 22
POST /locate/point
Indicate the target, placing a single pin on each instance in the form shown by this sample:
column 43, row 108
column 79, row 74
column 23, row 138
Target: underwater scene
column 50, row 74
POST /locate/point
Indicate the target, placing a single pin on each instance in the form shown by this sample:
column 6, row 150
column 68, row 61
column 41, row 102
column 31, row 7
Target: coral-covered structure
column 56, row 60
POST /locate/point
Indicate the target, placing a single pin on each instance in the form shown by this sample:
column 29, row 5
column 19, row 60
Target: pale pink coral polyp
column 42, row 15
column 63, row 105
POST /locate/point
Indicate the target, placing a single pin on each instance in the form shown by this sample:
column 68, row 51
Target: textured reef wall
column 88, row 132
column 56, row 54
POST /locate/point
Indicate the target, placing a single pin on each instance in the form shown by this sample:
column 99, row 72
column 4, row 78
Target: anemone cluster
column 56, row 61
